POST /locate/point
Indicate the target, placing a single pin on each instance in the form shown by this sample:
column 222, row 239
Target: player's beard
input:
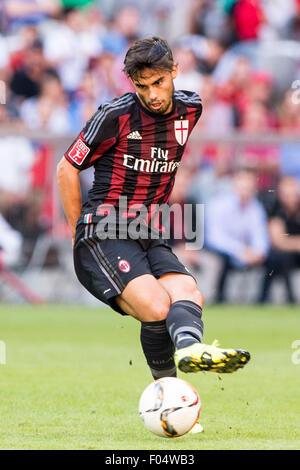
column 166, row 104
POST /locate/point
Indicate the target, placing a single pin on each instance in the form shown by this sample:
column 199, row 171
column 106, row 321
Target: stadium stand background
column 59, row 59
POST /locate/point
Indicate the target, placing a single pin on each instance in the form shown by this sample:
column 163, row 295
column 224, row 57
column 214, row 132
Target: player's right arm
column 70, row 193
column 97, row 137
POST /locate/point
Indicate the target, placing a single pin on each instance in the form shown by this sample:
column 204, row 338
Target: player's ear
column 174, row 71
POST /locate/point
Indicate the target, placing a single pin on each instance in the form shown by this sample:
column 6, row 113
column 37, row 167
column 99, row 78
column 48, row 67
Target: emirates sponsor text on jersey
column 149, row 166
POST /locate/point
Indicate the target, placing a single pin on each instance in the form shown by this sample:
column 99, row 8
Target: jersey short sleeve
column 190, row 100
column 96, row 138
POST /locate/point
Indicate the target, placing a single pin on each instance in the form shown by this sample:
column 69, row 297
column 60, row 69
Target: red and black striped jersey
column 135, row 153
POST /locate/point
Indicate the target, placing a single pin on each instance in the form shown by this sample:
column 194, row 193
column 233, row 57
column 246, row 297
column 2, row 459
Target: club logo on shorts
column 78, row 152
column 124, row 266
column 181, row 131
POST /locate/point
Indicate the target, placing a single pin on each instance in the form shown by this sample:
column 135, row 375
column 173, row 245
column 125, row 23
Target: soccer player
column 135, row 144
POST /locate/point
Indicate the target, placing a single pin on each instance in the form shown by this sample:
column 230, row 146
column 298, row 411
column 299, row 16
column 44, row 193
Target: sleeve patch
column 78, row 152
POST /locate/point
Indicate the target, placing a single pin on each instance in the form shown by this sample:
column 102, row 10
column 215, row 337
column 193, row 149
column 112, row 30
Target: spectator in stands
column 49, row 111
column 85, row 101
column 122, row 84
column 26, row 79
column 22, row 12
column 104, row 68
column 70, row 45
column 278, row 15
column 10, row 244
column 294, row 24
column 236, row 227
column 9, row 111
column 23, row 40
column 258, row 89
column 15, row 181
column 188, row 78
column 207, row 52
column 217, row 109
column 214, row 159
column 208, row 19
column 182, row 220
column 232, row 88
column 284, row 229
column 289, row 123
column 4, row 53
column 123, row 29
column 261, row 157
column 247, row 19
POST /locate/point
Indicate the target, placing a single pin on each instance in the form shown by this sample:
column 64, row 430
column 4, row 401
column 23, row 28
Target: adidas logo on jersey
column 134, row 135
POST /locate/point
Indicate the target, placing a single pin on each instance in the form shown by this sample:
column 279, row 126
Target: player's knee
column 192, row 293
column 159, row 309
column 198, row 297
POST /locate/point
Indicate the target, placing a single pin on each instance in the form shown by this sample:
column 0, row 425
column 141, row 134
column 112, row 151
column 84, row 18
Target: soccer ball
column 169, row 407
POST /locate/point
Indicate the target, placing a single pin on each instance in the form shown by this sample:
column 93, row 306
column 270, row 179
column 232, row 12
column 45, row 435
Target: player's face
column 155, row 89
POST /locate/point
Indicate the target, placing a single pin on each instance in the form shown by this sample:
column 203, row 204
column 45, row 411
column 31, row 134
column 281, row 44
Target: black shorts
column 105, row 267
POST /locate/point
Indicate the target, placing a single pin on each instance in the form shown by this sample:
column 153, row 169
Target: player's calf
column 158, row 349
column 184, row 323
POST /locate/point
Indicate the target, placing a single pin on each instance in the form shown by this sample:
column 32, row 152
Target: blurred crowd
column 60, row 59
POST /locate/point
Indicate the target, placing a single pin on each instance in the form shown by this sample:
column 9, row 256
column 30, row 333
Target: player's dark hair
column 154, row 53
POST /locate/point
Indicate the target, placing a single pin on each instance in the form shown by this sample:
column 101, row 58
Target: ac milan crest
column 78, row 152
column 124, row 266
column 181, row 131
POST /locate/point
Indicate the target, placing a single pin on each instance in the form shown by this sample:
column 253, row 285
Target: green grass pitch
column 74, row 375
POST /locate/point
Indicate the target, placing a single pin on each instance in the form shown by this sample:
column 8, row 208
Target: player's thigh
column 172, row 274
column 145, row 299
column 107, row 269
column 181, row 287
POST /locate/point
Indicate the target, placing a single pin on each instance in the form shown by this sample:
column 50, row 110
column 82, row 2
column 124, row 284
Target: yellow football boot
column 205, row 357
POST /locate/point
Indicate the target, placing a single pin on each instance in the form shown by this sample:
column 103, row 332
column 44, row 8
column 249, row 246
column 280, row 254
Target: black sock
column 184, row 323
column 158, row 349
